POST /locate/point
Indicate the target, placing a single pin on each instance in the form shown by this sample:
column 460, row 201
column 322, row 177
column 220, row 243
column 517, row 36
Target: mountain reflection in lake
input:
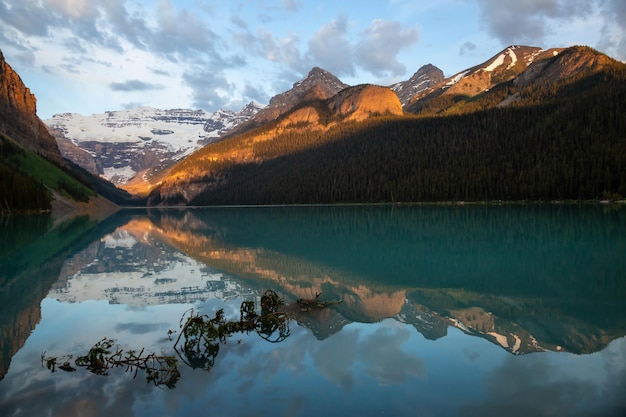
column 446, row 310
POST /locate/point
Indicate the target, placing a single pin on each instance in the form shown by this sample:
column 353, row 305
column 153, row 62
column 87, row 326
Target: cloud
column 252, row 93
column 75, row 45
column 513, row 21
column 141, row 328
column 28, row 18
column 387, row 362
column 73, row 9
column 376, row 52
column 134, row 85
column 614, row 30
column 291, row 5
column 238, row 21
column 550, row 389
column 263, row 44
column 330, row 48
column 382, row 41
column 131, row 105
column 209, row 87
column 26, row 58
column 70, row 68
column 160, row 71
column 467, row 47
column 380, row 354
column 181, row 31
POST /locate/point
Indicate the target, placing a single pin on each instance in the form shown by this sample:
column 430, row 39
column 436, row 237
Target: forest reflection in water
column 517, row 279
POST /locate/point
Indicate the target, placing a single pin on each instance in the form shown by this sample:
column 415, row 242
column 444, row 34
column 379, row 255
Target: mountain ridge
column 135, row 166
column 320, row 113
column 315, row 117
column 504, row 66
column 403, row 158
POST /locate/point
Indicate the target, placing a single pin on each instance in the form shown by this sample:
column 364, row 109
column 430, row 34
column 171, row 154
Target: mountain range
column 135, row 144
column 429, row 138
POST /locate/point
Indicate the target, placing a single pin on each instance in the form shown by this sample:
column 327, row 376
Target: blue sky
column 90, row 56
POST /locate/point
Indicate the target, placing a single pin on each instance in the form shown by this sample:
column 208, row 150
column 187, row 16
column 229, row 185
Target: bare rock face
column 557, row 64
column 364, row 101
column 76, row 154
column 18, row 115
column 319, row 84
column 426, row 77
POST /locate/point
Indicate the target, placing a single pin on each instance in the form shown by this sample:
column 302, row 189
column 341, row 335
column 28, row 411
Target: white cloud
column 530, row 21
column 134, row 85
column 254, row 50
column 73, row 9
column 378, row 50
column 330, row 48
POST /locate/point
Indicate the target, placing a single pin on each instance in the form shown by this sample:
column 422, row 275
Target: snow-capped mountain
column 118, row 145
column 502, row 67
column 426, row 77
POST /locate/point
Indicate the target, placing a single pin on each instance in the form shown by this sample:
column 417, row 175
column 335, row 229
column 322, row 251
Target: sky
column 92, row 56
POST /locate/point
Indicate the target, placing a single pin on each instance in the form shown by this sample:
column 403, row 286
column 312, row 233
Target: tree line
column 566, row 144
column 18, row 190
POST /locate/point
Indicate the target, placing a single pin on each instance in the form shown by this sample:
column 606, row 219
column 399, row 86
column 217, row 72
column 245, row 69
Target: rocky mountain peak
column 323, row 81
column 251, row 109
column 318, row 84
column 426, row 77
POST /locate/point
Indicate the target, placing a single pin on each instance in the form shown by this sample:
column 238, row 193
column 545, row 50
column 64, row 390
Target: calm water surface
column 445, row 311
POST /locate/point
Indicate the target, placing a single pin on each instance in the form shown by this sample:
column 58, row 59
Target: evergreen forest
column 27, row 180
column 562, row 141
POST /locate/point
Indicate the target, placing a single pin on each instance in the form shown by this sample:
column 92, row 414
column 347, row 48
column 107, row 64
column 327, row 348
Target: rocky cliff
column 18, row 115
column 364, row 101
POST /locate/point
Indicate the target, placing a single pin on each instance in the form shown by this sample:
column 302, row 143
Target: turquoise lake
column 477, row 310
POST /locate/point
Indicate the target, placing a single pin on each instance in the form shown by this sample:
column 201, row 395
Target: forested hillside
column 32, row 171
column 563, row 140
column 27, row 180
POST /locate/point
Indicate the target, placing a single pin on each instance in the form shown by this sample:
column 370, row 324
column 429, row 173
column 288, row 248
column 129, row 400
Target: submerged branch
column 105, row 355
column 197, row 344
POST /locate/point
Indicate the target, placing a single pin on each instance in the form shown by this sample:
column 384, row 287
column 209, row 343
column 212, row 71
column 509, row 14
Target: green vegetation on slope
column 26, row 179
